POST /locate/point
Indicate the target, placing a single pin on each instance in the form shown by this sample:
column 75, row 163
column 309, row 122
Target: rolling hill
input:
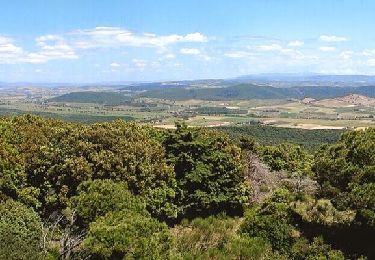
column 252, row 91
column 106, row 98
column 349, row 100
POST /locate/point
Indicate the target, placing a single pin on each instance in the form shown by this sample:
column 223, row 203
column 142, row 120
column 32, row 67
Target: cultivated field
column 325, row 114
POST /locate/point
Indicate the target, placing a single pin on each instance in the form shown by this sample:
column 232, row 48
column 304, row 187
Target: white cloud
column 55, row 51
column 4, row 40
column 236, row 54
column 292, row 53
column 327, row 48
column 114, row 65
column 296, row 43
column 332, row 38
column 9, row 48
column 195, row 37
column 276, row 49
column 170, row 56
column 188, row 51
column 43, row 40
column 239, row 54
column 271, row 47
column 371, row 62
column 9, row 52
column 54, row 47
column 68, row 45
column 51, row 48
column 115, row 36
column 346, row 55
column 368, row 52
column 138, row 63
column 205, row 57
column 195, row 52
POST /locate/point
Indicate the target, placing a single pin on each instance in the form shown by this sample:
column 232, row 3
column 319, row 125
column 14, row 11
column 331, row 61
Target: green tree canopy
column 97, row 198
column 20, row 232
column 346, row 173
column 128, row 235
column 208, row 171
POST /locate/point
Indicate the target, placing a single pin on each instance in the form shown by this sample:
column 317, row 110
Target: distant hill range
column 262, row 86
column 309, row 79
column 252, row 91
column 106, row 98
column 236, row 92
column 203, row 83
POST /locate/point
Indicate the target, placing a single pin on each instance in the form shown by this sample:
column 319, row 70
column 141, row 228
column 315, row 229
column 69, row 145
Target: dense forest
column 253, row 91
column 120, row 190
column 72, row 117
column 107, row 98
column 270, row 135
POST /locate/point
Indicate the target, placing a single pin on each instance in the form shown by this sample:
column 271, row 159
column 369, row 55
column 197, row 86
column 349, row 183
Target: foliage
column 282, row 218
column 219, row 111
column 12, row 171
column 317, row 250
column 270, row 135
column 346, row 173
column 20, row 232
column 208, row 172
column 201, row 235
column 97, row 198
column 109, row 185
column 362, row 198
column 108, row 98
column 217, row 238
column 272, row 221
column 288, row 157
column 251, row 91
column 128, row 234
column 59, row 156
column 72, row 117
column 322, row 212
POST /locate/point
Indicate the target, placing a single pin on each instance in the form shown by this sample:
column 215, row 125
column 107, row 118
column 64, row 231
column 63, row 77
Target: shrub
column 97, row 198
column 127, row 234
column 20, row 232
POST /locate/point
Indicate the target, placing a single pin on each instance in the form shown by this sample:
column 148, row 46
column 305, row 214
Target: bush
column 127, row 234
column 20, row 232
column 209, row 173
column 97, row 198
column 272, row 222
column 217, row 238
column 287, row 157
column 315, row 250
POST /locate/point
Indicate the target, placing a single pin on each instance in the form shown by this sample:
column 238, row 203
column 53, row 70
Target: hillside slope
column 107, row 98
column 251, row 91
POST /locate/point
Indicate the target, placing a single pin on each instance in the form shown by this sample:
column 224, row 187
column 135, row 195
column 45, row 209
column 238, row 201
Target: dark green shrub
column 20, row 232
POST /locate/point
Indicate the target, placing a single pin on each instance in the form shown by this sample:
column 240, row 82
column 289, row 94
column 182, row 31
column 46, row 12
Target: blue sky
column 140, row 40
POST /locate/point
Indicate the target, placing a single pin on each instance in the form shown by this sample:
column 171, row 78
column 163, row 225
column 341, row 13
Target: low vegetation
column 120, row 190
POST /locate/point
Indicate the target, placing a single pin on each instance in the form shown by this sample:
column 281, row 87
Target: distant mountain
column 309, row 77
column 252, row 91
column 175, row 84
column 278, row 76
column 106, row 98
